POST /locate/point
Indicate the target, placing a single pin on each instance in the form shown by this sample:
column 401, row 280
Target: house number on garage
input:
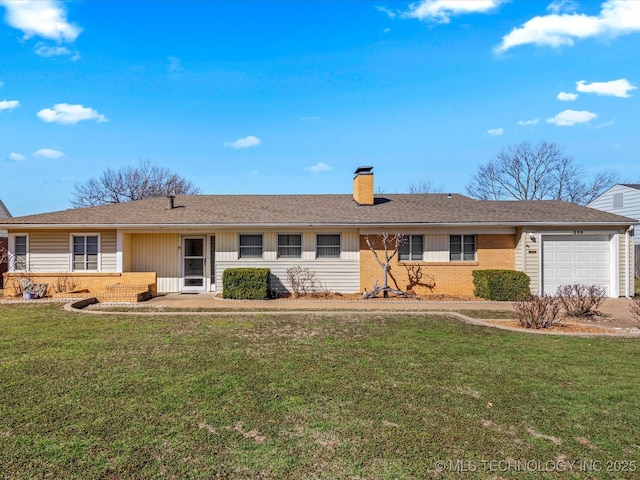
column 578, row 232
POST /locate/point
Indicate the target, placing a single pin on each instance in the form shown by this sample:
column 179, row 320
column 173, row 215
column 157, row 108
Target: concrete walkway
column 615, row 311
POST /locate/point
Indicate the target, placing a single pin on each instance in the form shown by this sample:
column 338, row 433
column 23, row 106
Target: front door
column 193, row 264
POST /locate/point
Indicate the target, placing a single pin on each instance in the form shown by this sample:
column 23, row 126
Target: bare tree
column 423, row 186
column 390, row 244
column 535, row 172
column 146, row 180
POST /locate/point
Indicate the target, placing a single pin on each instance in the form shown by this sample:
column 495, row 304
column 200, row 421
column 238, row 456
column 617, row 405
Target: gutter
column 195, row 226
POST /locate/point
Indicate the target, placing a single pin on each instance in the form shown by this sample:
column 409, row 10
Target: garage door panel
column 568, row 260
column 563, row 257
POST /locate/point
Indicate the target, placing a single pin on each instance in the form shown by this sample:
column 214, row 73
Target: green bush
column 501, row 285
column 246, row 283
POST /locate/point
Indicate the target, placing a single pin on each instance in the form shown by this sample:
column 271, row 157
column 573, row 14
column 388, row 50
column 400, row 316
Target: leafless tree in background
column 423, row 186
column 146, row 180
column 535, row 172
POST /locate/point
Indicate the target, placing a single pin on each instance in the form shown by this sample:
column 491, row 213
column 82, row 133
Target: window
column 290, row 246
column 250, row 246
column 462, row 248
column 20, row 261
column 328, row 246
column 412, row 249
column 85, row 252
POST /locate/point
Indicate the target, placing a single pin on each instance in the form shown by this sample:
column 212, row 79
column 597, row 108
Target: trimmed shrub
column 246, row 283
column 537, row 312
column 501, row 285
column 581, row 300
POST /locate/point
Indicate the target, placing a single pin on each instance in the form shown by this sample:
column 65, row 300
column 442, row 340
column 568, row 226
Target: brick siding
column 446, row 278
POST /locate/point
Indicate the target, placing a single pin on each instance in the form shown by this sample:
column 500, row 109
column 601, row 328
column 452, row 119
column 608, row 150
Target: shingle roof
column 301, row 210
column 631, row 185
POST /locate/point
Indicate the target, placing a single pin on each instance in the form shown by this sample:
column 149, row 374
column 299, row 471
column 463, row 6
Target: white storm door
column 193, row 264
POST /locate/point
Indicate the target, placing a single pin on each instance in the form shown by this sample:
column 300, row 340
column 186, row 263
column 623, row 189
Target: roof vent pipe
column 171, row 198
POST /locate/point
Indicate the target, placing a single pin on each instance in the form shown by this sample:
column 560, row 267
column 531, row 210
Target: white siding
column 157, row 252
column 626, row 270
column 338, row 275
column 630, row 204
column 531, row 260
column 49, row 251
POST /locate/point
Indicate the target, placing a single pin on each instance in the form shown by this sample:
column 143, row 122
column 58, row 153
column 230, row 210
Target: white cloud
column 616, row 17
column 528, row 123
column 175, row 65
column 615, row 88
column 69, row 114
column 9, row 104
column 441, row 11
column 567, row 97
column 495, row 132
column 42, row 18
column 16, row 157
column 318, row 167
column 1, row 84
column 48, row 153
column 568, row 118
column 246, row 142
column 47, row 51
column 309, row 119
column 560, row 6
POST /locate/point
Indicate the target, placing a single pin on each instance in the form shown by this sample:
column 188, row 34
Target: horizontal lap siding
column 157, row 252
column 49, row 251
column 337, row 275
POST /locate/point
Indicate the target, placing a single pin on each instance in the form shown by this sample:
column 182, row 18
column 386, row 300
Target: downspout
column 627, row 287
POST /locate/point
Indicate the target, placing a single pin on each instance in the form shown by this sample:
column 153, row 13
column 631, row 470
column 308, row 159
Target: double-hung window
column 462, row 248
column 85, row 252
column 290, row 246
column 412, row 249
column 328, row 246
column 20, row 260
column 250, row 246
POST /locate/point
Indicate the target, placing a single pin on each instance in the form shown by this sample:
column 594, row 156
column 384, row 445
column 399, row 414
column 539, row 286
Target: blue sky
column 292, row 96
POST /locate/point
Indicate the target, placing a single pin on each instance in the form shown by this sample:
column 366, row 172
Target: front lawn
column 293, row 397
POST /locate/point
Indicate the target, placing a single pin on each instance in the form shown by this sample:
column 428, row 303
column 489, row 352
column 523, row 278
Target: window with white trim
column 85, row 252
column 327, row 246
column 19, row 260
column 462, row 248
column 250, row 246
column 289, row 246
column 412, row 249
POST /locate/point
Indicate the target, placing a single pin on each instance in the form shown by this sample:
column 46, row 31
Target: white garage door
column 574, row 259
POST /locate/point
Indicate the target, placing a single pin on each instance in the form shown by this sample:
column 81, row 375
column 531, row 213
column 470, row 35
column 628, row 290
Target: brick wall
column 94, row 282
column 441, row 278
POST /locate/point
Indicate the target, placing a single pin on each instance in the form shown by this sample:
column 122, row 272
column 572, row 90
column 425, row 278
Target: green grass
column 316, row 397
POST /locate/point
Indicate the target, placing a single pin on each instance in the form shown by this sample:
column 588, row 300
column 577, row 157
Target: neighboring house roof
column 4, row 213
column 631, row 185
column 322, row 210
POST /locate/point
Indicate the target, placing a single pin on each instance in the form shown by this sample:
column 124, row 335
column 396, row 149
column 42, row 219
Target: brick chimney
column 363, row 186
